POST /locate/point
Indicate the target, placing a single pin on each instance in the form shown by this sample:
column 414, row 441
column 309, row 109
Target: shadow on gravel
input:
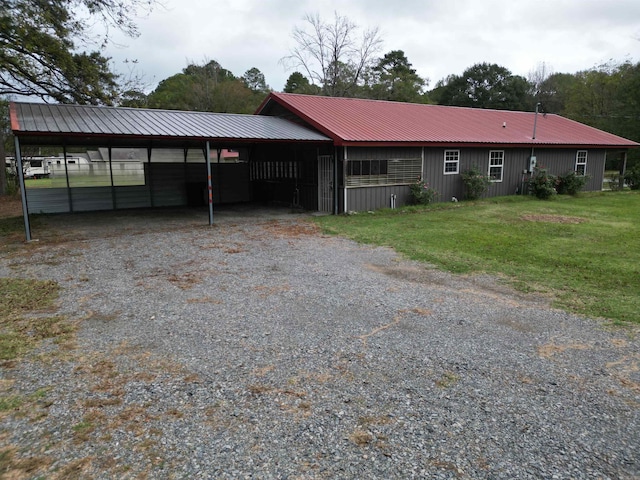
column 89, row 225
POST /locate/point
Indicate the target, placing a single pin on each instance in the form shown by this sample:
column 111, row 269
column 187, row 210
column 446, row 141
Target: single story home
column 382, row 147
column 318, row 153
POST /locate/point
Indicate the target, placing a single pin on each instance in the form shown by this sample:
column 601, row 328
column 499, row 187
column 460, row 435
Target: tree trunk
column 3, row 168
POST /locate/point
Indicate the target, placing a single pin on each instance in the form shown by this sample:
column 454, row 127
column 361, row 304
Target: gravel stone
column 259, row 348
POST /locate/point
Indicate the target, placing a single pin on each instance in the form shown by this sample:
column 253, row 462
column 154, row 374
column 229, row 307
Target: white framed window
column 451, row 162
column 581, row 162
column 496, row 165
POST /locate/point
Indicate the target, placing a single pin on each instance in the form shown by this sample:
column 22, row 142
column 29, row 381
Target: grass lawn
column 584, row 251
column 84, row 181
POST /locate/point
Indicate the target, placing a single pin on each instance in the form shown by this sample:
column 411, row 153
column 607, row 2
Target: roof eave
column 100, row 138
column 318, row 126
column 393, row 143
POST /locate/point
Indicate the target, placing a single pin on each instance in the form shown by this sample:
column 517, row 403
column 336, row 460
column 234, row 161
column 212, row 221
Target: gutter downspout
column 23, row 192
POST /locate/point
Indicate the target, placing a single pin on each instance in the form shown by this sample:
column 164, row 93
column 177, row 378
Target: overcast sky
column 439, row 37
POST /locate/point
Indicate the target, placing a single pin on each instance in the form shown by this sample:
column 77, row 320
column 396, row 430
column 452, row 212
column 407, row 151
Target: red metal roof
column 352, row 121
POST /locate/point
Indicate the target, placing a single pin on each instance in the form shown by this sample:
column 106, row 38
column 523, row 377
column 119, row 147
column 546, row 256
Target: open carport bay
column 260, row 348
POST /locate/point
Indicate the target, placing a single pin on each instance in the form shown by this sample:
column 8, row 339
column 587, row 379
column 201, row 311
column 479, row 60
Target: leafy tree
column 332, row 55
column 39, row 53
column 394, row 79
column 608, row 97
column 174, row 93
column 255, row 81
column 298, row 83
column 208, row 88
column 485, row 85
column 134, row 99
column 554, row 91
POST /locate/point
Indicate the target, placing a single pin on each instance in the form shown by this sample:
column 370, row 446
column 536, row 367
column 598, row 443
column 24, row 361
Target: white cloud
column 439, row 37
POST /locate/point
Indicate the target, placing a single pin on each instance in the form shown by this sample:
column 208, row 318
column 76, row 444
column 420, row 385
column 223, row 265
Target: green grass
column 84, row 181
column 591, row 268
column 20, row 331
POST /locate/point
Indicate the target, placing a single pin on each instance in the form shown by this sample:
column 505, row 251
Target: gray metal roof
column 82, row 121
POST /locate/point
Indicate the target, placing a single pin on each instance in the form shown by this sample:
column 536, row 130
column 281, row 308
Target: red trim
column 229, row 140
column 13, row 115
column 263, row 104
column 474, row 145
column 318, row 126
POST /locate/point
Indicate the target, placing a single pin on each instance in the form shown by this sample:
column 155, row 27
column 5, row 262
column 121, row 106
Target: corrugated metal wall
column 557, row 160
column 167, row 184
column 371, row 198
column 367, row 198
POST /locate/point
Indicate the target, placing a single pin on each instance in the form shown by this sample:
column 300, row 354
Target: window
column 392, row 171
column 496, row 164
column 581, row 162
column 367, row 167
column 451, row 162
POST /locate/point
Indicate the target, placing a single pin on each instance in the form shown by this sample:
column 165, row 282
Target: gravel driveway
column 260, row 348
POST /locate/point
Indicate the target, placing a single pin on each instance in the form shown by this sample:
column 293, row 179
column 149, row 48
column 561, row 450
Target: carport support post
column 23, row 191
column 66, row 176
column 335, row 182
column 209, row 187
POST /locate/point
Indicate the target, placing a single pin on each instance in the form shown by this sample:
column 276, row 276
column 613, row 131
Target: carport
column 278, row 159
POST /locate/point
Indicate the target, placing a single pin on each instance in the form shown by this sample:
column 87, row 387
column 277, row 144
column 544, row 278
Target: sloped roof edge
column 352, row 121
column 40, row 119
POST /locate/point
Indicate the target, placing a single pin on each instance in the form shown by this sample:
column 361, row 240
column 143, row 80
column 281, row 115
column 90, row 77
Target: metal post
column 344, row 178
column 623, row 169
column 209, row 187
column 23, row 191
column 150, row 175
column 219, row 172
column 535, row 121
column 66, row 175
column 113, row 188
column 335, row 182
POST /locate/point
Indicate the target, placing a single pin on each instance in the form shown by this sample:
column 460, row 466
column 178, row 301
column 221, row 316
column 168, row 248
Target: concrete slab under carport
column 85, row 226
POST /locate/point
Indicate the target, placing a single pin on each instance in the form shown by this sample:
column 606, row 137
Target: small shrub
column 421, row 194
column 632, row 177
column 570, row 183
column 615, row 182
column 475, row 183
column 542, row 184
column 12, row 184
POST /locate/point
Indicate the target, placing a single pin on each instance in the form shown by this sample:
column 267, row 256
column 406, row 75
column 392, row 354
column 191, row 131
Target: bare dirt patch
column 553, row 219
column 295, row 230
column 549, row 350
